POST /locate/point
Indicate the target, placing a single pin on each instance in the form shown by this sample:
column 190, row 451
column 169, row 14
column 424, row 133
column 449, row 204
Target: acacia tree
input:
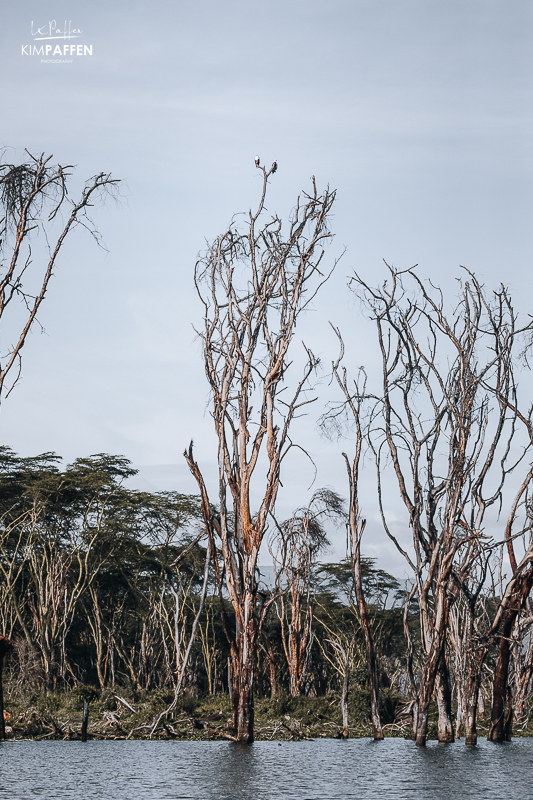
column 294, row 547
column 254, row 284
column 352, row 407
column 446, row 419
column 33, row 197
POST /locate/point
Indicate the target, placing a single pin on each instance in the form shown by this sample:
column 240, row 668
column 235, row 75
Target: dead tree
column 184, row 661
column 294, row 546
column 352, row 406
column 444, row 419
column 34, row 200
column 254, row 284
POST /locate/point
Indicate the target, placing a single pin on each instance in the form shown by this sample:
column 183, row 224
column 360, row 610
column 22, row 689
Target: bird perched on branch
column 274, row 166
column 257, row 161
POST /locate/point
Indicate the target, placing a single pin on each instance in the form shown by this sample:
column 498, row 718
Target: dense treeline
column 101, row 585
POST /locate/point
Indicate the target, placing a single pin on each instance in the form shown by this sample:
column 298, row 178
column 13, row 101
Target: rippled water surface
column 361, row 769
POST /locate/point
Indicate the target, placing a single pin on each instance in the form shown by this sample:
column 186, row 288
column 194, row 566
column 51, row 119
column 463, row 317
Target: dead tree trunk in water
column 444, row 702
column 85, row 720
column 5, row 648
column 253, row 286
column 500, row 725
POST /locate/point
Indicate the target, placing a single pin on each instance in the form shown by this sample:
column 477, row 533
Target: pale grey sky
column 417, row 111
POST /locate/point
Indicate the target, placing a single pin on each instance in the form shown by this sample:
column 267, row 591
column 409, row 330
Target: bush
column 77, row 693
column 50, row 702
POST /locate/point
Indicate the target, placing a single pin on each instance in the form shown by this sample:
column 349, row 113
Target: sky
column 417, row 112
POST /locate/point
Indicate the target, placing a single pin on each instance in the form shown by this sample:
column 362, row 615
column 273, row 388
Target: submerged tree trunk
column 344, row 702
column 434, row 634
column 5, row 648
column 422, row 723
column 500, row 726
column 424, row 697
column 243, row 654
column 499, row 687
column 523, row 681
column 444, row 702
column 471, row 703
column 460, row 713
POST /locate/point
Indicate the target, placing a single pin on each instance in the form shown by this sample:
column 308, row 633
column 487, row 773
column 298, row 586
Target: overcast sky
column 417, row 111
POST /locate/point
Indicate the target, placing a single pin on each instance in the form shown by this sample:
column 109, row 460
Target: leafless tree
column 34, row 204
column 351, row 409
column 254, row 284
column 185, row 657
column 445, row 418
column 295, row 545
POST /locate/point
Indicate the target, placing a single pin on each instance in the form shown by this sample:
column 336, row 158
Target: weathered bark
column 5, row 648
column 422, row 721
column 444, row 702
column 85, row 720
column 523, row 681
column 508, row 727
column 243, row 663
column 499, row 686
column 434, row 635
column 499, row 726
column 344, row 703
column 472, row 695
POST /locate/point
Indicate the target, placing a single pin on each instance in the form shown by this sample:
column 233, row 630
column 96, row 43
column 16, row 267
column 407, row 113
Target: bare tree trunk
column 472, row 696
column 508, row 730
column 371, row 661
column 524, row 681
column 344, row 702
column 243, row 686
column 499, row 726
column 499, row 686
column 5, row 648
column 444, row 702
column 435, row 643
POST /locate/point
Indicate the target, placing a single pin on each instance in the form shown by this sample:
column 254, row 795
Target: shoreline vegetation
column 116, row 717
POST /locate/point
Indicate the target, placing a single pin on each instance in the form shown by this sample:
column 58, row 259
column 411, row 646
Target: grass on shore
column 58, row 715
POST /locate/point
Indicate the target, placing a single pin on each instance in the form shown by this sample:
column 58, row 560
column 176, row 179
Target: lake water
column 319, row 770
